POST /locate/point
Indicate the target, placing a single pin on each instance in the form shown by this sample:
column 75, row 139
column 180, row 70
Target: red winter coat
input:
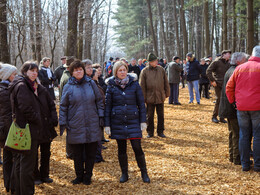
column 243, row 87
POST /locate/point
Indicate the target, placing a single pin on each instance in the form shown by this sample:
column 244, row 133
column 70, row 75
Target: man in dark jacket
column 204, row 81
column 193, row 75
column 216, row 72
column 133, row 68
column 173, row 72
column 59, row 71
column 227, row 110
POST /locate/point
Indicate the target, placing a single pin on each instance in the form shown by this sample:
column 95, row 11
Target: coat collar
column 111, row 80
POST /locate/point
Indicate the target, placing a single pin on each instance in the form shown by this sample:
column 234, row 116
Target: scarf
column 122, row 83
column 33, row 84
column 48, row 72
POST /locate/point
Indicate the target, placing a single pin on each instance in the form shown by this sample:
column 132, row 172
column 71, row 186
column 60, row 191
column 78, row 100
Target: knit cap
column 6, row 70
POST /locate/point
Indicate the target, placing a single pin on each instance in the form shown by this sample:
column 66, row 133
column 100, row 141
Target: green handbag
column 18, row 139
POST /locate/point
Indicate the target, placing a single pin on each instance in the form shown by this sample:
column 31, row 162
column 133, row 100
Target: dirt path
column 193, row 159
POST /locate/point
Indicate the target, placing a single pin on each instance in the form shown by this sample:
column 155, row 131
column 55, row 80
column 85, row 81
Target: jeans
column 195, row 85
column 174, row 93
column 249, row 125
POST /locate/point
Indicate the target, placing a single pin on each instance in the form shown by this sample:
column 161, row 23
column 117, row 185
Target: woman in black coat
column 47, row 77
column 125, row 117
column 23, row 92
column 7, row 74
column 48, row 133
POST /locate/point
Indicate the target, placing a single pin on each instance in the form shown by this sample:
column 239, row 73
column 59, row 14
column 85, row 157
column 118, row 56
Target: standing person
column 243, row 91
column 88, row 67
column 81, row 113
column 174, row 69
column 193, row 76
column 109, row 67
column 155, row 92
column 183, row 73
column 48, row 133
column 140, row 64
column 227, row 110
column 47, row 77
column 216, row 72
column 26, row 108
column 59, row 70
column 204, row 81
column 133, row 68
column 125, row 117
column 7, row 74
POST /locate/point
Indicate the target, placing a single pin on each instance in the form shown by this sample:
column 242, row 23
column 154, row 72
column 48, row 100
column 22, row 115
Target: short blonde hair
column 117, row 65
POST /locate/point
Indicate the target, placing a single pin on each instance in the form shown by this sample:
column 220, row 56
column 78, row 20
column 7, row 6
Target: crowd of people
column 122, row 104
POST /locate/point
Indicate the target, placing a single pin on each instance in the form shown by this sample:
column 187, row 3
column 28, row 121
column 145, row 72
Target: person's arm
column 108, row 106
column 142, row 83
column 210, row 70
column 64, row 105
column 166, row 85
column 99, row 99
column 140, row 104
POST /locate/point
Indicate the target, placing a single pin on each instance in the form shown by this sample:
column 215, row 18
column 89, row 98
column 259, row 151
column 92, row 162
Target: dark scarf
column 122, row 83
column 33, row 84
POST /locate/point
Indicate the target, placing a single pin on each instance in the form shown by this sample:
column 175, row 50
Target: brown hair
column 117, row 65
column 96, row 66
column 28, row 65
column 76, row 64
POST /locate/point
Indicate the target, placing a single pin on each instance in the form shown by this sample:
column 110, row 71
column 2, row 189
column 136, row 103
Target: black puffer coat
column 48, row 115
column 26, row 106
column 5, row 113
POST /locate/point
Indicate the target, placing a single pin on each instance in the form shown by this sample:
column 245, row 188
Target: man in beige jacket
column 155, row 87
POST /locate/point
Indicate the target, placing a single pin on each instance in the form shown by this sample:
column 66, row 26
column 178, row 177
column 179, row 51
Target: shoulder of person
column 133, row 75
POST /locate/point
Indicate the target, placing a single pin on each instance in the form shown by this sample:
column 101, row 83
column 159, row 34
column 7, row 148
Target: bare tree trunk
column 38, row 22
column 176, row 22
column 151, row 27
column 81, row 25
column 206, row 27
column 72, row 27
column 198, row 30
column 88, row 29
column 224, row 30
column 4, row 48
column 234, row 26
column 183, row 23
column 250, row 26
column 212, row 26
column 32, row 30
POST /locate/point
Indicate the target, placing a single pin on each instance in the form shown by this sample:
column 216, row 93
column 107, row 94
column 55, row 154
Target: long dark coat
column 46, row 82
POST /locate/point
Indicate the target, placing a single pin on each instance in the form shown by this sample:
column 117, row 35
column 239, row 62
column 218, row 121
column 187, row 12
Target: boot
column 124, row 167
column 142, row 165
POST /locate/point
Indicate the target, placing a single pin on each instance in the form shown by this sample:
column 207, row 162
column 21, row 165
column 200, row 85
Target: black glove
column 62, row 129
column 101, row 121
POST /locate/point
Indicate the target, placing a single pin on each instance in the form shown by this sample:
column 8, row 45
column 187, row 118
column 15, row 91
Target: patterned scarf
column 122, row 83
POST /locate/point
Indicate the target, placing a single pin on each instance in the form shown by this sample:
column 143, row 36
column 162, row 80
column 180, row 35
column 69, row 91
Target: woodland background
column 97, row 29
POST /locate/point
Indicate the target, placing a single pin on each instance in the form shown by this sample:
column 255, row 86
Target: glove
column 143, row 126
column 108, row 131
column 62, row 129
column 101, row 121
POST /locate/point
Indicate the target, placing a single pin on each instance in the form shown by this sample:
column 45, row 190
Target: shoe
column 47, row 180
column 149, row 136
column 145, row 177
column 87, row 181
column 245, row 169
column 198, row 103
column 190, row 102
column 215, row 120
column 237, row 162
column 222, row 120
column 178, row 103
column 170, row 103
column 104, row 147
column 161, row 135
column 38, row 182
column 99, row 161
column 123, row 162
column 123, row 178
column 1, row 162
column 142, row 165
column 77, row 181
column 105, row 140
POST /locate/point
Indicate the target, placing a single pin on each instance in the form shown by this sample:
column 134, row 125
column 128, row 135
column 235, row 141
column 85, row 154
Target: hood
column 132, row 77
column 254, row 58
column 73, row 80
column 17, row 79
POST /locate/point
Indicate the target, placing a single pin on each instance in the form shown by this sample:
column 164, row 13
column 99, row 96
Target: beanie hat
column 151, row 57
column 6, row 70
column 189, row 54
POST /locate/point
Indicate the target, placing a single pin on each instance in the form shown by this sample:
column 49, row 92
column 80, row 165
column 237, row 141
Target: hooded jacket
column 80, row 108
column 193, row 69
column 125, row 109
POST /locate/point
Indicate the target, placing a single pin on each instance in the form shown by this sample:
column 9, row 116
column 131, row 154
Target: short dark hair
column 76, row 64
column 28, row 65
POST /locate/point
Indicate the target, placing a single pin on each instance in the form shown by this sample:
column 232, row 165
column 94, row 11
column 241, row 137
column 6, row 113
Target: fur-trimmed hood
column 132, row 77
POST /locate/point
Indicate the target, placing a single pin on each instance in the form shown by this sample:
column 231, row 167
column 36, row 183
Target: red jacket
column 243, row 87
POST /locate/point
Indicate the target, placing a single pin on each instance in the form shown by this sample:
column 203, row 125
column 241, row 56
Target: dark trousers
column 218, row 95
column 150, row 118
column 89, row 151
column 204, row 88
column 8, row 170
column 69, row 150
column 233, row 129
column 174, row 93
column 99, row 156
column 45, row 150
column 183, row 78
column 136, row 145
column 24, row 167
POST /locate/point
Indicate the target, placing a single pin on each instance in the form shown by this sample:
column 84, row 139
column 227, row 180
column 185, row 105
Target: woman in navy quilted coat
column 125, row 117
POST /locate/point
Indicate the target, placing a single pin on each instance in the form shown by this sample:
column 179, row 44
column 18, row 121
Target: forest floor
column 193, row 159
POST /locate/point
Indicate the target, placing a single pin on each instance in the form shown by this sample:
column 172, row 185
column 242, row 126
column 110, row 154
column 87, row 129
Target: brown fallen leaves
column 193, row 159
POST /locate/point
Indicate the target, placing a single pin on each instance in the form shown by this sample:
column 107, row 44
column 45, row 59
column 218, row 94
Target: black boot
column 124, row 167
column 142, row 165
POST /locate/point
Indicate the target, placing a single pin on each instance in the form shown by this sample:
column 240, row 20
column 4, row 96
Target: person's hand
column 101, row 121
column 214, row 84
column 108, row 131
column 143, row 126
column 234, row 105
column 62, row 129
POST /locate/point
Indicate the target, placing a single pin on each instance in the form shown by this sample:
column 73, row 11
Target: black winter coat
column 48, row 115
column 5, row 113
column 46, row 82
column 134, row 69
column 193, row 70
column 26, row 106
column 58, row 73
column 203, row 77
column 227, row 110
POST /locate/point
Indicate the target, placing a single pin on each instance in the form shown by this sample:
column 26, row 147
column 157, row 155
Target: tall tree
column 234, row 26
column 32, row 29
column 176, row 22
column 72, row 27
column 224, row 25
column 38, row 23
column 206, row 27
column 184, row 30
column 250, row 26
column 4, row 49
column 213, row 25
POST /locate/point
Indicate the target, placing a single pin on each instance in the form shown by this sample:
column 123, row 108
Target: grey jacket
column 80, row 110
column 174, row 72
